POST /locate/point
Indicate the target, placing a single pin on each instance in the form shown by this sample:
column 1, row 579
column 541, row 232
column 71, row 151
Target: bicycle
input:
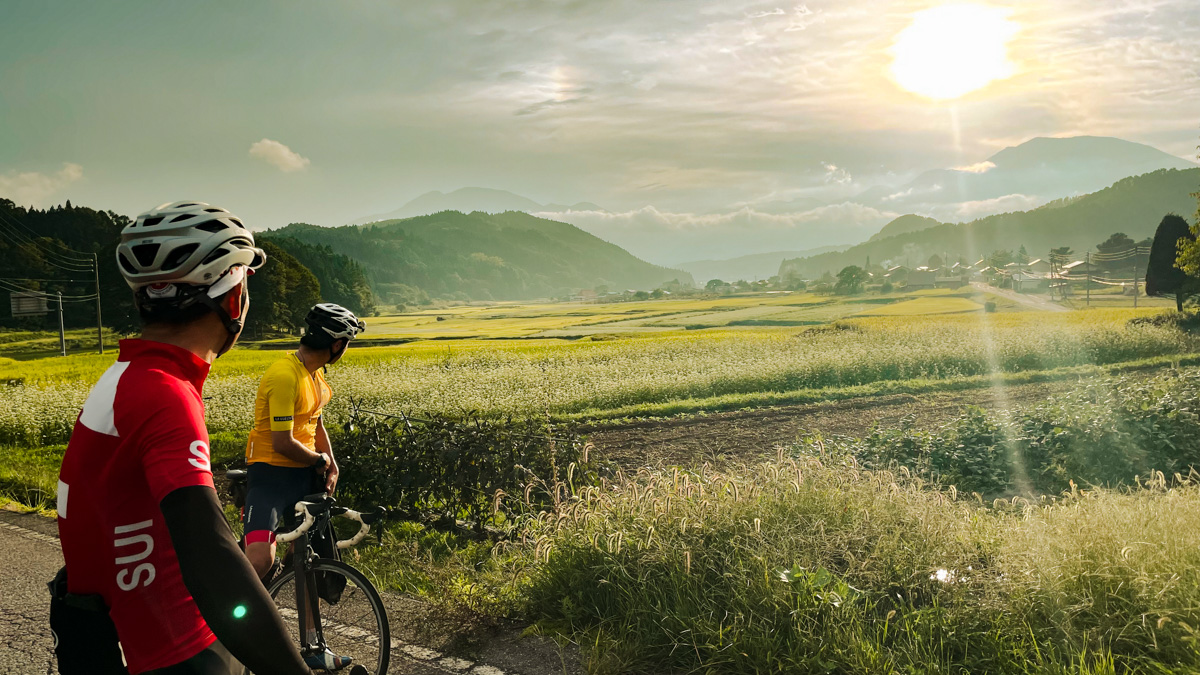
column 350, row 622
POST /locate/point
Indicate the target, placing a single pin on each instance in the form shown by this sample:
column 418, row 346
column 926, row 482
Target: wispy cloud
column 967, row 211
column 31, row 188
column 836, row 174
column 979, row 167
column 278, row 155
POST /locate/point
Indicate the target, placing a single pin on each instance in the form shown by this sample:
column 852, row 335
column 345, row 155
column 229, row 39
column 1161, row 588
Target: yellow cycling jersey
column 288, row 399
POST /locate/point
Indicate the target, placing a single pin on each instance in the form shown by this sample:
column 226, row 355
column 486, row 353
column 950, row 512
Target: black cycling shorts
column 271, row 496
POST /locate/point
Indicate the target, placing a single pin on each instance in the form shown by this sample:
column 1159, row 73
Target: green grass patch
column 29, row 476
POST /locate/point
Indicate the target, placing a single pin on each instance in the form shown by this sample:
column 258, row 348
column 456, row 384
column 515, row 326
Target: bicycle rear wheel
column 356, row 626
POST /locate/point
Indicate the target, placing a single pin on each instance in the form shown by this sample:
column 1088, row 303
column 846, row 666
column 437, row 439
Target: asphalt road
column 30, row 556
column 28, row 562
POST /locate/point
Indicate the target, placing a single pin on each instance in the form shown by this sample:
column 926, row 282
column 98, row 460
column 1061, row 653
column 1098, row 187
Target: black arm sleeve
column 220, row 579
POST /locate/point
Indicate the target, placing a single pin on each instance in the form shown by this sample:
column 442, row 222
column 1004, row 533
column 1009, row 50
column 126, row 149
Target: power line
column 68, row 266
column 34, row 235
column 64, row 281
column 49, row 254
column 19, row 236
column 35, row 292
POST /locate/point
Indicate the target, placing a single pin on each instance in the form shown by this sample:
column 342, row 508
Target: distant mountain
column 578, row 206
column 481, row 256
column 1131, row 205
column 747, row 267
column 1025, row 176
column 470, row 199
column 903, row 225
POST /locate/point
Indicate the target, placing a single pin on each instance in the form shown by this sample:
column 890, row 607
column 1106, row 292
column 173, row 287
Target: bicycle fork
column 306, row 596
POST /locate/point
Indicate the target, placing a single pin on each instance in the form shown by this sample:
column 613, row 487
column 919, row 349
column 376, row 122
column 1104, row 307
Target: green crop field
column 640, row 374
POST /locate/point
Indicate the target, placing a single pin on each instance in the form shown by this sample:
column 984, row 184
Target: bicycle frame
column 306, row 589
column 302, row 555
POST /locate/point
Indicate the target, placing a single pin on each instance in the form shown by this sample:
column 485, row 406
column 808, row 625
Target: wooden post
column 1088, row 263
column 99, row 326
column 62, row 333
column 1135, row 277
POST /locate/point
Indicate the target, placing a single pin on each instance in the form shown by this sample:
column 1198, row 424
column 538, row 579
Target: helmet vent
column 126, row 265
column 146, row 253
column 213, row 210
column 212, row 226
column 184, row 206
column 216, row 253
column 178, row 256
column 237, row 222
column 152, row 221
column 186, row 216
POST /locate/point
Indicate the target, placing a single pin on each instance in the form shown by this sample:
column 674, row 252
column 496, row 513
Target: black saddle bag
column 85, row 639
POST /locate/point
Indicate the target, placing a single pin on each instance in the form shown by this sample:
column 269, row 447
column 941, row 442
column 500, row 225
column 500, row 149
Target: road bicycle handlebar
column 309, row 510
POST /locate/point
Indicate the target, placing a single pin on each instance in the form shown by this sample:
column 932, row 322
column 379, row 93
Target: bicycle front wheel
column 355, row 626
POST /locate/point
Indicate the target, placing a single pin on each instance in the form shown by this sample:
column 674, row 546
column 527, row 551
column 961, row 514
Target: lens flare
column 952, row 50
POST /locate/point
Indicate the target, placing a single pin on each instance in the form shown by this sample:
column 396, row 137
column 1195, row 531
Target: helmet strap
column 333, row 356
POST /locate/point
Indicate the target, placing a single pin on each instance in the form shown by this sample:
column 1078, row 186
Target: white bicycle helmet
column 185, row 253
column 335, row 321
column 189, row 243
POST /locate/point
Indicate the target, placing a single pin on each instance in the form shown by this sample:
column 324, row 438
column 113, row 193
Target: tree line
column 41, row 250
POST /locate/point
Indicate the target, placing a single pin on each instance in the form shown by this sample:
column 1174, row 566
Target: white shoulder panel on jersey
column 98, row 410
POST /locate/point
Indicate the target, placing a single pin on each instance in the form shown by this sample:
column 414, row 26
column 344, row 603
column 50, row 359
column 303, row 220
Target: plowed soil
column 752, row 435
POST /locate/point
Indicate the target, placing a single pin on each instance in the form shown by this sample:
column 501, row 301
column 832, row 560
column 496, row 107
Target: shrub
column 466, row 467
column 1110, row 433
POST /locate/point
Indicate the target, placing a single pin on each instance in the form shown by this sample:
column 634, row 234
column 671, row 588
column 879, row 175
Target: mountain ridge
column 1132, row 205
column 1040, row 169
column 482, row 256
column 468, row 200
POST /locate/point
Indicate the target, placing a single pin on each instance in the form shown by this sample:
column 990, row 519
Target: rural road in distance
column 1030, row 301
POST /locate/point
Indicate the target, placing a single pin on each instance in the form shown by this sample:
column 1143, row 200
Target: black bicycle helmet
column 335, row 321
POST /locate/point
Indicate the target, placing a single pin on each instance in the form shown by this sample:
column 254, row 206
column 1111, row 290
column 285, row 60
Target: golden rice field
column 639, row 374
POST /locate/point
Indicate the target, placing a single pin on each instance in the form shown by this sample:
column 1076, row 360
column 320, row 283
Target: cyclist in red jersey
column 138, row 516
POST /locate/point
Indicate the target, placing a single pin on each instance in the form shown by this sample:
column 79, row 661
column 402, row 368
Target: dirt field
column 747, row 436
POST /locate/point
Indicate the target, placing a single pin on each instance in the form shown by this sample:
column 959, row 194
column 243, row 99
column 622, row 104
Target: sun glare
column 953, row 50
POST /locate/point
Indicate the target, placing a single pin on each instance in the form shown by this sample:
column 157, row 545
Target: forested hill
column 1132, row 205
column 48, row 251
column 481, row 256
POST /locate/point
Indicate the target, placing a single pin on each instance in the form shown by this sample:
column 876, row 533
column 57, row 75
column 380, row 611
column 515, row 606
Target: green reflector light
column 239, row 611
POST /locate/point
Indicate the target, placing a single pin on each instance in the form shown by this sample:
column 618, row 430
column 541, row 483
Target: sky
column 694, row 112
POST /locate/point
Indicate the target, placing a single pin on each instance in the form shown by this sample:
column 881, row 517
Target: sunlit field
column 656, row 374
column 785, row 308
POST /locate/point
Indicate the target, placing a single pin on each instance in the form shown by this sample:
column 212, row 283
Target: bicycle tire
column 357, row 626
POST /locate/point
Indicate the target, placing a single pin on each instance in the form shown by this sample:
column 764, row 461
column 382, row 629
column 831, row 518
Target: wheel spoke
column 355, row 626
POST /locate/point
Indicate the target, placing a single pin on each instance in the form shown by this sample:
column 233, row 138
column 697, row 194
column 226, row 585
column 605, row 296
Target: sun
column 952, row 50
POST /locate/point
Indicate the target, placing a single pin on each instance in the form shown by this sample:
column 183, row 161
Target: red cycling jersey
column 140, row 436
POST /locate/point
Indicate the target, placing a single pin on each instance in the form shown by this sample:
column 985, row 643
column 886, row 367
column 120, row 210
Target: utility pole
column 1088, row 264
column 1135, row 277
column 99, row 326
column 62, row 334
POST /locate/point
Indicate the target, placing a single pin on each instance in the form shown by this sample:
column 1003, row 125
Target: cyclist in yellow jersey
column 289, row 402
column 288, row 454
